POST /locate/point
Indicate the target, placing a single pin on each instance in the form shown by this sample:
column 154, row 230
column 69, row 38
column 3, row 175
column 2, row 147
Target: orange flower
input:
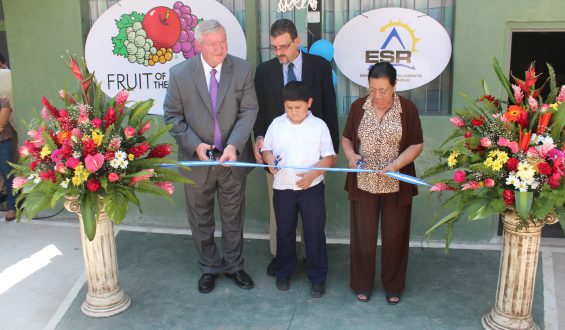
column 543, row 121
column 524, row 143
column 513, row 113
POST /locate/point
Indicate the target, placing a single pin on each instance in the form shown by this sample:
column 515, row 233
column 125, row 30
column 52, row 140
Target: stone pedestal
column 105, row 297
column 516, row 278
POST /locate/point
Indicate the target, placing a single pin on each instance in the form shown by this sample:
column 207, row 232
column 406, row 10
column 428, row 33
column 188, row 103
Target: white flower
column 525, row 171
column 120, row 155
column 115, row 163
column 534, row 185
column 123, row 163
column 521, row 186
column 37, row 179
column 511, row 180
column 535, row 139
column 65, row 183
column 77, row 154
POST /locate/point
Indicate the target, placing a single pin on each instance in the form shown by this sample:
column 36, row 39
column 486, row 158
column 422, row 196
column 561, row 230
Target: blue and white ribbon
column 396, row 175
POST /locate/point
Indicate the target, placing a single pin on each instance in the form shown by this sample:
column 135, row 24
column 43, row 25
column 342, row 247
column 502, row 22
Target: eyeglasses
column 380, row 91
column 282, row 48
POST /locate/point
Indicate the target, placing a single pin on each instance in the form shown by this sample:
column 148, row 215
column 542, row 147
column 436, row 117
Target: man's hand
column 257, row 149
column 201, row 151
column 306, row 179
column 229, row 154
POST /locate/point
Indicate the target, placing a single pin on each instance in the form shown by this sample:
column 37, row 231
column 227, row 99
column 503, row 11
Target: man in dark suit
column 212, row 105
column 288, row 65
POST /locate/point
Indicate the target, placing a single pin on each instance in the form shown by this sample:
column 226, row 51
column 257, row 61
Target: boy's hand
column 273, row 169
column 306, row 179
column 257, row 149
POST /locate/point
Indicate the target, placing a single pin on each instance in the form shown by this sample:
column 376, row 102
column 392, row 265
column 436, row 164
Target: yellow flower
column 131, row 157
column 81, row 174
column 553, row 106
column 452, row 160
column 97, row 137
column 45, row 151
column 497, row 166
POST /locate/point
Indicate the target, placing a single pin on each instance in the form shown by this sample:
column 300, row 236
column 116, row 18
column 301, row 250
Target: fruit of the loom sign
column 153, row 37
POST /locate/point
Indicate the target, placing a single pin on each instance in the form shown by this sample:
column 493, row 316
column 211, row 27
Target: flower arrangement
column 505, row 155
column 105, row 149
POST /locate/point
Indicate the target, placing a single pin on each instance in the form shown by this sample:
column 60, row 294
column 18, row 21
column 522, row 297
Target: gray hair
column 207, row 26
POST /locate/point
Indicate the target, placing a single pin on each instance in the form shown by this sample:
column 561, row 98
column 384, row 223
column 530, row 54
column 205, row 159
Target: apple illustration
column 162, row 25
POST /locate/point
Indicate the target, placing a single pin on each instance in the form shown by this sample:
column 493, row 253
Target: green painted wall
column 38, row 34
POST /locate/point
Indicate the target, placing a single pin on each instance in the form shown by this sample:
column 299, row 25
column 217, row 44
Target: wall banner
column 415, row 43
column 133, row 44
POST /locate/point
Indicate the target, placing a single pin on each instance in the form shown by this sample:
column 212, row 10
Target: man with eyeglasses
column 290, row 64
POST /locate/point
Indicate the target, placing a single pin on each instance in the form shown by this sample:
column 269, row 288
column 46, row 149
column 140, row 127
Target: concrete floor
column 42, row 285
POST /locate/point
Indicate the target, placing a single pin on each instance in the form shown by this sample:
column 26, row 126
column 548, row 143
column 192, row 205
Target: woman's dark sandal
column 392, row 298
column 363, row 296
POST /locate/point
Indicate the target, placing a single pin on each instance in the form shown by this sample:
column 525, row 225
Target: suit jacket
column 316, row 74
column 188, row 108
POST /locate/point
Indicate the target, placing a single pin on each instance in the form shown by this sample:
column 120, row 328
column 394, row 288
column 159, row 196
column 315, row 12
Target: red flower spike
column 543, row 122
column 524, row 141
column 529, row 85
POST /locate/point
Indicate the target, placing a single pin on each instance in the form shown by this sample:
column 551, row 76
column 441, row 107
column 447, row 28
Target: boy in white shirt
column 299, row 139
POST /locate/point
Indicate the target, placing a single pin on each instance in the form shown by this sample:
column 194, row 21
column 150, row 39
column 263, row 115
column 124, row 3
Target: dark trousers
column 312, row 207
column 7, row 152
column 230, row 191
column 395, row 236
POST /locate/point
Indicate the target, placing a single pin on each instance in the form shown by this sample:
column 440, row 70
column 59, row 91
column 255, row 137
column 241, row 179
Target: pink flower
column 72, row 163
column 113, row 177
column 97, row 122
column 83, row 117
column 489, row 182
column 56, row 156
column 518, row 94
column 122, row 97
column 94, row 163
column 45, row 114
column 114, row 144
column 561, row 96
column 457, row 121
column 533, row 104
column 166, row 186
column 19, row 182
column 485, row 142
column 145, row 128
column 459, row 176
column 544, row 107
column 142, row 176
column 61, row 168
column 441, row 187
column 505, row 143
column 76, row 132
column 129, row 132
column 471, row 185
column 554, row 180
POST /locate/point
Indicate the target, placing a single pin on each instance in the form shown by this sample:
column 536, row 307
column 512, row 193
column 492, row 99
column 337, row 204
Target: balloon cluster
column 325, row 49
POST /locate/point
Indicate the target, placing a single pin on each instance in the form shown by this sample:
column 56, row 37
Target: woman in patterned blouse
column 382, row 131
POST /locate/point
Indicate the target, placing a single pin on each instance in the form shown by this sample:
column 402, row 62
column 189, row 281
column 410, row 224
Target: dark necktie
column 290, row 77
column 213, row 99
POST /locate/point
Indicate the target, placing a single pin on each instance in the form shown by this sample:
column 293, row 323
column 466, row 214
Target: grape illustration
column 186, row 42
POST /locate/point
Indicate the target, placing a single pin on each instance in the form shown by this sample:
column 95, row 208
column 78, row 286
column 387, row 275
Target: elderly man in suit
column 291, row 64
column 212, row 106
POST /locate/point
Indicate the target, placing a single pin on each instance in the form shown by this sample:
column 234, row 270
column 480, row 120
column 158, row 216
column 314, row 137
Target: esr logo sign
column 416, row 44
column 397, row 47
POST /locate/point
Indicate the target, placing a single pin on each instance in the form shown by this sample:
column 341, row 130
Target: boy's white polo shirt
column 301, row 145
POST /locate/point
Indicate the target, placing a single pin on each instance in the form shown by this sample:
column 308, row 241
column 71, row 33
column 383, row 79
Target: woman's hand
column 353, row 159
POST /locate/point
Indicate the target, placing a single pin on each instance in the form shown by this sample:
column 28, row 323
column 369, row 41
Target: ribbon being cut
column 396, row 175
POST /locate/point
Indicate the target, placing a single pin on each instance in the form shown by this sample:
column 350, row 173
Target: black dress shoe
column 241, row 279
column 283, row 283
column 271, row 268
column 206, row 282
column 318, row 290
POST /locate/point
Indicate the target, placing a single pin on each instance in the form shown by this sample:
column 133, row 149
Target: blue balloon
column 323, row 48
column 334, row 78
column 303, row 49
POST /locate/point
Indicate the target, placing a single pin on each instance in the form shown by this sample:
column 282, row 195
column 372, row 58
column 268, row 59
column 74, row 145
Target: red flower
column 67, row 150
column 52, row 110
column 67, row 123
column 33, row 165
column 508, row 196
column 489, row 98
column 109, row 155
column 97, row 122
column 48, row 175
column 554, row 180
column 110, row 117
column 459, row 176
column 489, row 182
column 88, row 147
column 145, row 128
column 138, row 150
column 93, row 184
column 544, row 168
column 512, row 164
column 160, row 151
column 467, row 134
column 523, row 119
column 113, row 177
column 477, row 121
